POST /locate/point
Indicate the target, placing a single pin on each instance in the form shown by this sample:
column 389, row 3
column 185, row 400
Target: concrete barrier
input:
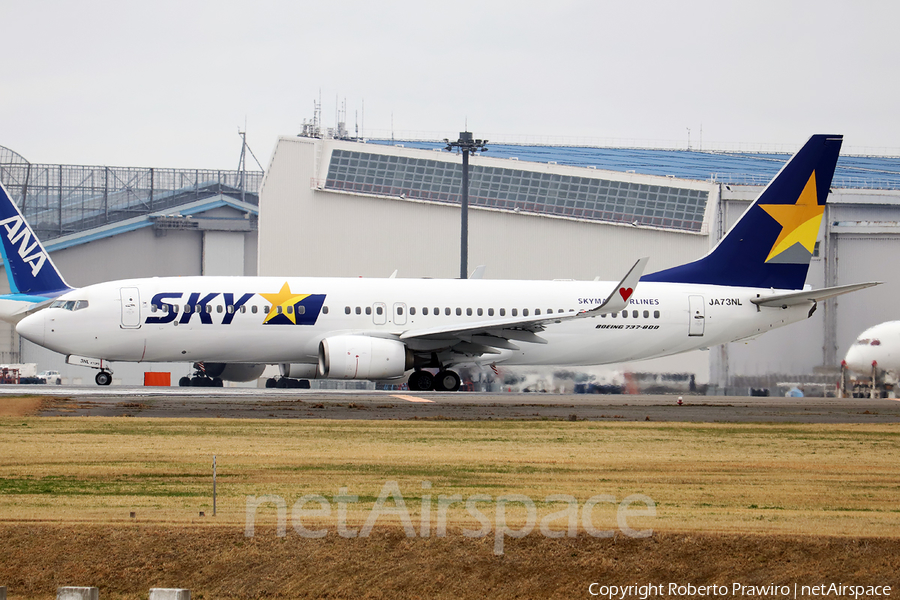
column 169, row 594
column 77, row 593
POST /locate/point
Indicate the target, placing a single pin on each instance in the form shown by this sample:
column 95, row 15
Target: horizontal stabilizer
column 806, row 296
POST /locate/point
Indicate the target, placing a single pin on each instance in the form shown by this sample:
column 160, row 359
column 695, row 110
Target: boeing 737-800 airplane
column 384, row 328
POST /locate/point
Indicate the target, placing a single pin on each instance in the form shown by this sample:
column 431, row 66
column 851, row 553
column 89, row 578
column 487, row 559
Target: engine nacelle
column 299, row 370
column 234, row 371
column 363, row 357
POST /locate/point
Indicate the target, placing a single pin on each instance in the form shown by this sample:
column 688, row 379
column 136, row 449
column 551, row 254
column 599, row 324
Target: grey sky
column 167, row 84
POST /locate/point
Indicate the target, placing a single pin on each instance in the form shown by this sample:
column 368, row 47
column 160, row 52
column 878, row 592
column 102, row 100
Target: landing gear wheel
column 184, row 382
column 103, row 378
column 271, row 382
column 421, row 381
column 446, row 381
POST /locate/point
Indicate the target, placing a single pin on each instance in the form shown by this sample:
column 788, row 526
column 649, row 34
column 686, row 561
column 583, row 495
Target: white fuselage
column 880, row 344
column 145, row 319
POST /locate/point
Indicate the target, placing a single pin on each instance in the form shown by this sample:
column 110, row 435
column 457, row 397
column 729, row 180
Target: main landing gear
column 103, row 378
column 287, row 382
column 444, row 381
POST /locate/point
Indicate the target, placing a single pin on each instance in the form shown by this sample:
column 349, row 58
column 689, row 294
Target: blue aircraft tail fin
column 28, row 266
column 772, row 243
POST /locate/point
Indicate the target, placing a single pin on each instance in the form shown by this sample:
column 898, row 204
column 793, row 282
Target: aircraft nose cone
column 857, row 360
column 32, row 328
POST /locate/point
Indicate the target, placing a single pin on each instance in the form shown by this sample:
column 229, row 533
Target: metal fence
column 61, row 199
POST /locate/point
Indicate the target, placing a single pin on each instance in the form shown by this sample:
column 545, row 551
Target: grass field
column 789, row 486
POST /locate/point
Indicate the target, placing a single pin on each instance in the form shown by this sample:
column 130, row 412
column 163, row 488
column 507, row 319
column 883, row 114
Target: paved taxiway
column 305, row 404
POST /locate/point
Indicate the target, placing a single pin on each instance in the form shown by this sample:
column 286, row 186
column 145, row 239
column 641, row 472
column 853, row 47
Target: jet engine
column 363, row 357
column 299, row 370
column 234, row 371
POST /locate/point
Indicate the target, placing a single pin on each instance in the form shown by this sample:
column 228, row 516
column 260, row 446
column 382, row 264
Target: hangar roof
column 748, row 168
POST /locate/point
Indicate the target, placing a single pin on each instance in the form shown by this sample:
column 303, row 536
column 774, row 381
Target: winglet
column 618, row 298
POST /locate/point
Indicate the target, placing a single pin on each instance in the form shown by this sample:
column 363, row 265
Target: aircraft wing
column 806, row 296
column 485, row 337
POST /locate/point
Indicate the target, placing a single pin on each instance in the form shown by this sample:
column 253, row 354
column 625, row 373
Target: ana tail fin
column 28, row 266
column 772, row 243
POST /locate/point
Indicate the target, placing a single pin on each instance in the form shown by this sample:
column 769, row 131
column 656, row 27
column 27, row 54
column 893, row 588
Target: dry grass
column 20, row 406
column 754, row 503
column 790, row 479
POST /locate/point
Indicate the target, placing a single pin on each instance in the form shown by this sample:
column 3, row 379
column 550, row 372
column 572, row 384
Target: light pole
column 467, row 145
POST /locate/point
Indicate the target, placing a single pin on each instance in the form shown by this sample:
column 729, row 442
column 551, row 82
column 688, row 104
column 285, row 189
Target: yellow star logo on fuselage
column 283, row 299
column 799, row 221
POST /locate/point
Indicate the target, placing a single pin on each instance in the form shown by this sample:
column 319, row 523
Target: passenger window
column 437, row 311
column 230, row 309
column 188, row 308
column 253, row 309
column 209, row 308
column 634, row 314
column 301, row 310
column 524, row 312
column 458, row 312
column 379, row 310
column 368, row 310
column 289, row 309
column 425, row 311
column 468, row 312
column 614, row 315
column 358, row 310
column 244, row 308
column 325, row 310
column 412, row 310
column 266, row 309
column 537, row 312
column 502, row 312
column 153, row 308
column 447, row 311
column 515, row 312
column 490, row 312
column 220, row 308
column 646, row 314
column 346, row 310
column 480, row 312
column 399, row 310
column 655, row 314
column 279, row 310
column 624, row 314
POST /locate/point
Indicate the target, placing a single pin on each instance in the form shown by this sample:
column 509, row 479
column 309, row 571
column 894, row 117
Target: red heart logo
column 626, row 293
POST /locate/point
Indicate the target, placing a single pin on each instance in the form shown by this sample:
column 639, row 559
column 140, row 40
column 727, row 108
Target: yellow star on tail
column 799, row 222
column 283, row 299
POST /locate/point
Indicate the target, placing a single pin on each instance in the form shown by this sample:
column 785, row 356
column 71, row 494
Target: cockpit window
column 69, row 304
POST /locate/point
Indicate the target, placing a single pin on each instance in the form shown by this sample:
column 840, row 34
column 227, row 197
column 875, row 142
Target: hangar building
column 341, row 207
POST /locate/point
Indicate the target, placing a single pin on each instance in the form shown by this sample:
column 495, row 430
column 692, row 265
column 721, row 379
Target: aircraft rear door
column 697, row 315
column 131, row 307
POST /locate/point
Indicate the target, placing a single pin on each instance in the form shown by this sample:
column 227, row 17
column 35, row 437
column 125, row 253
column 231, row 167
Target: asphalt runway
column 243, row 403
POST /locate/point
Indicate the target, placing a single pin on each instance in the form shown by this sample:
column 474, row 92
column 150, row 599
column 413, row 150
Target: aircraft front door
column 131, row 307
column 697, row 315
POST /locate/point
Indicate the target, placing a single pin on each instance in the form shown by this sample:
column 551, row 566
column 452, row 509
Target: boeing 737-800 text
column 750, row 283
